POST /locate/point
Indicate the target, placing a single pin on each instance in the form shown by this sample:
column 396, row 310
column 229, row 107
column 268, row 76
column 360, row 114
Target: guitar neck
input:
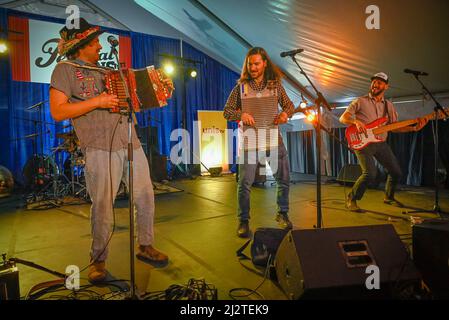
column 394, row 126
column 401, row 124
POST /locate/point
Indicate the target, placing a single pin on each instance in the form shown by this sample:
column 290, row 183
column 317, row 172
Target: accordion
column 146, row 88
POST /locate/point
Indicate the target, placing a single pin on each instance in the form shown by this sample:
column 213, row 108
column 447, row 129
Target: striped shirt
column 233, row 107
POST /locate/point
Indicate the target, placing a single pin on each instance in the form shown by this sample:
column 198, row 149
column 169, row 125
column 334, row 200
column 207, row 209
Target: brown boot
column 283, row 221
column 151, row 255
column 243, row 230
column 351, row 204
column 97, row 271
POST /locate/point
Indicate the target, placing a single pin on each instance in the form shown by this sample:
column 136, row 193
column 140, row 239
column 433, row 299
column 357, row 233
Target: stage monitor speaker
column 349, row 174
column 332, row 263
column 9, row 283
column 431, row 254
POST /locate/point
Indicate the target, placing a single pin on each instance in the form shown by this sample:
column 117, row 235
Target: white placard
column 44, row 37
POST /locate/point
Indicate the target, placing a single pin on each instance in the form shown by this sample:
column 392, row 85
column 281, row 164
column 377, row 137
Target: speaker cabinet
column 431, row 254
column 349, row 174
column 149, row 139
column 9, row 283
column 332, row 263
column 158, row 167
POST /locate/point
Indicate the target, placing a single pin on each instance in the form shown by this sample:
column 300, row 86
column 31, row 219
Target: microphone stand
column 320, row 100
column 133, row 295
column 438, row 108
column 40, row 132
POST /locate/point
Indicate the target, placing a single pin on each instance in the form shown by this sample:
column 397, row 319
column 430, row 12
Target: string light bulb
column 311, row 117
column 3, row 47
column 193, row 73
column 303, row 103
column 169, row 69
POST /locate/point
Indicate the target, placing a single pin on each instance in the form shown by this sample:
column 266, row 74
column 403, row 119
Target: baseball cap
column 381, row 76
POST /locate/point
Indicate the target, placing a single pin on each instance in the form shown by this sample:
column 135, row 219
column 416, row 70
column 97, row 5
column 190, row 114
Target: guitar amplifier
column 9, row 282
column 349, row 174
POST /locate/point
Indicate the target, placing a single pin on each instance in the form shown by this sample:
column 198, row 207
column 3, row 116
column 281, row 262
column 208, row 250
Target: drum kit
column 47, row 184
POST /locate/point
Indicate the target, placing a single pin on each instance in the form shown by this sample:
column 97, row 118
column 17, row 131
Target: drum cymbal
column 64, row 147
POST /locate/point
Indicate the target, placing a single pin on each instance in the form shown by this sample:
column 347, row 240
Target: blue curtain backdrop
column 414, row 151
column 18, row 124
column 5, row 83
column 208, row 91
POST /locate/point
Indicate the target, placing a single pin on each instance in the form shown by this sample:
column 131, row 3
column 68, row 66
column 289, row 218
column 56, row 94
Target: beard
column 376, row 92
column 255, row 75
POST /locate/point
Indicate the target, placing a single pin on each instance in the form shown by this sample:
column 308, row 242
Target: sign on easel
column 213, row 140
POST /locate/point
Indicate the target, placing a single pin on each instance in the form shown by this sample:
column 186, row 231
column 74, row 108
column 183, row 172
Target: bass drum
column 38, row 172
column 6, row 182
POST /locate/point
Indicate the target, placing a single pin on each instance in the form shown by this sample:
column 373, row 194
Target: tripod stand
column 439, row 111
column 40, row 171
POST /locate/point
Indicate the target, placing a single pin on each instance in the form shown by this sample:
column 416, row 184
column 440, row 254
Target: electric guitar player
column 367, row 138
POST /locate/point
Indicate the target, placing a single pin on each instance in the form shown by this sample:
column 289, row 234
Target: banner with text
column 34, row 49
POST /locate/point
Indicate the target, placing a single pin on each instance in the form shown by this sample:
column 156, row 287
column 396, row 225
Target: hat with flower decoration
column 74, row 38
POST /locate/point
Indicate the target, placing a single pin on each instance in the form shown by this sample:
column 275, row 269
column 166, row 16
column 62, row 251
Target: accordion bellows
column 146, row 87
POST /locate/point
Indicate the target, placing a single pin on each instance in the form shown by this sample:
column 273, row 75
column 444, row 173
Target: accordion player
column 147, row 88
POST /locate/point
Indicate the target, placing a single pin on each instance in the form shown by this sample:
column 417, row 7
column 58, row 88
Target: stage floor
column 196, row 228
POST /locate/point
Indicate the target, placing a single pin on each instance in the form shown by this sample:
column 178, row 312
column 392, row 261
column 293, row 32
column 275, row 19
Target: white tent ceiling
column 340, row 53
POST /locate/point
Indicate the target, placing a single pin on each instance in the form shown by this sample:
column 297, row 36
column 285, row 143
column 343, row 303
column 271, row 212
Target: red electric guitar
column 358, row 141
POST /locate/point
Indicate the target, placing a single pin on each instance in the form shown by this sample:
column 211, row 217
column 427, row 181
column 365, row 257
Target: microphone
column 416, row 73
column 113, row 41
column 291, row 53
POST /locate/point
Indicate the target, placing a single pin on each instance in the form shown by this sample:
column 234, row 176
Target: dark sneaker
column 152, row 256
column 393, row 202
column 283, row 221
column 351, row 204
column 97, row 272
column 243, row 229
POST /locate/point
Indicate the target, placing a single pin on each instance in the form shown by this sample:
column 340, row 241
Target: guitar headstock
column 442, row 115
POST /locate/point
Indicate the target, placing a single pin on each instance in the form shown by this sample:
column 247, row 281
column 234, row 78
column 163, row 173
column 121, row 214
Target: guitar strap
column 83, row 66
column 386, row 110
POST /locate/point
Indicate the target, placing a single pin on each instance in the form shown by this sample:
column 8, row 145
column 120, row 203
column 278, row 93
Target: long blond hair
column 272, row 72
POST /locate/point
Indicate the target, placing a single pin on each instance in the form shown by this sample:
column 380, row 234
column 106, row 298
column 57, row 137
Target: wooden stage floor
column 196, row 228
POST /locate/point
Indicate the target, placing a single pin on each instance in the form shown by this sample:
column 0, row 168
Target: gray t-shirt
column 96, row 128
column 366, row 109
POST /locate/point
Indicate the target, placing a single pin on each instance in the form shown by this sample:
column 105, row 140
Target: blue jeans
column 382, row 152
column 99, row 181
column 247, row 174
